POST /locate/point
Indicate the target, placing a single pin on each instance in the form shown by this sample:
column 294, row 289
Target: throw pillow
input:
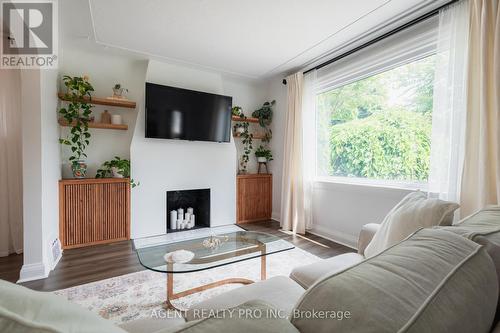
column 415, row 211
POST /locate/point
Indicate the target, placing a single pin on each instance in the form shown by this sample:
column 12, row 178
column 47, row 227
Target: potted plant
column 263, row 155
column 237, row 111
column 118, row 91
column 77, row 115
column 118, row 168
column 265, row 116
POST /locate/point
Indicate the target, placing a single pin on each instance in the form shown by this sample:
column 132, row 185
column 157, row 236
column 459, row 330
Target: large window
column 378, row 127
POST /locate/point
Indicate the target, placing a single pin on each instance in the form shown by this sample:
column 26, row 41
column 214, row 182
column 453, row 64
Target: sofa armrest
column 365, row 236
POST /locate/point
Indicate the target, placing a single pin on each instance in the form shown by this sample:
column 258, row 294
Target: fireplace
column 196, row 201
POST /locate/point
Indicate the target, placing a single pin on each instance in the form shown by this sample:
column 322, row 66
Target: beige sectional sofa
column 437, row 280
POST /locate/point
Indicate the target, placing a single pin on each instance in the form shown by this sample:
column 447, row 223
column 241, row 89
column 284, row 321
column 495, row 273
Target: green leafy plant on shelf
column 263, row 152
column 246, row 137
column 237, row 111
column 77, row 115
column 265, row 116
column 116, row 168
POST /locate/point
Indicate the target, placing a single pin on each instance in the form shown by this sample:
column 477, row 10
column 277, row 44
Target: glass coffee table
column 200, row 254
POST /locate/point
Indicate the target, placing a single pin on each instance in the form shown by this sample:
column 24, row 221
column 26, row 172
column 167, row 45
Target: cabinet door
column 93, row 213
column 254, row 198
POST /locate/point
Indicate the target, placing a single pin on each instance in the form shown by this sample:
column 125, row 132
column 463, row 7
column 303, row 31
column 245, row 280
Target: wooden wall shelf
column 104, row 101
column 249, row 119
column 123, row 127
column 255, row 136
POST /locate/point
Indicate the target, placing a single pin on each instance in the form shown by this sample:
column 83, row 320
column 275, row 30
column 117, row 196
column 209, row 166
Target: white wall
column 277, row 91
column 249, row 95
column 41, row 171
column 339, row 210
column 51, row 161
column 162, row 165
column 148, row 156
column 104, row 69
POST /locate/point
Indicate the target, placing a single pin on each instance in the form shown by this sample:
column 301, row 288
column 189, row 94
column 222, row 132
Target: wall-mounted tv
column 175, row 113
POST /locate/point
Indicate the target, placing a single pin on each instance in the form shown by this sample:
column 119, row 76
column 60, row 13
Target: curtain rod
column 381, row 37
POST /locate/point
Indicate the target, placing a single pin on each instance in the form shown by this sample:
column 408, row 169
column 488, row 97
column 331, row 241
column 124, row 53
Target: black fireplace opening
column 198, row 200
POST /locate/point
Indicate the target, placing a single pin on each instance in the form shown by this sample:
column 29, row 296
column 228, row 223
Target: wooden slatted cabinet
column 93, row 211
column 254, row 197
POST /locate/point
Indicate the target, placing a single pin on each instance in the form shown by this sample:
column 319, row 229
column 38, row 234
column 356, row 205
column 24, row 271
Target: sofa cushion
column 307, row 275
column 435, row 281
column 415, row 211
column 254, row 316
column 483, row 228
column 25, row 310
column 280, row 291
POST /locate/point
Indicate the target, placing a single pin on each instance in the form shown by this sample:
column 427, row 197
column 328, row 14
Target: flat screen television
column 175, row 113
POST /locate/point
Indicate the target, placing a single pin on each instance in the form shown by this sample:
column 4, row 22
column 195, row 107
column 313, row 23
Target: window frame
column 426, row 49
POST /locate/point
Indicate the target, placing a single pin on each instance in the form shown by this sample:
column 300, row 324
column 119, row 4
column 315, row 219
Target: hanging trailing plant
column 246, row 137
column 77, row 115
column 247, row 141
column 265, row 116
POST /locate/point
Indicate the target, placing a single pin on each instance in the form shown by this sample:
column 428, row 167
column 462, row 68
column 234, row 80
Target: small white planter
column 240, row 130
column 116, row 174
column 261, row 159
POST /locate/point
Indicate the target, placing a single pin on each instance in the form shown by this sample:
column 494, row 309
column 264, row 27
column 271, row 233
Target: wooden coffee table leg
column 170, row 282
column 170, row 287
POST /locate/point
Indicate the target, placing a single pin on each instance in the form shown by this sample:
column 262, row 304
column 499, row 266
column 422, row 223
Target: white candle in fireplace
column 180, row 213
column 173, row 220
column 179, row 224
column 187, row 217
column 190, row 210
column 192, row 221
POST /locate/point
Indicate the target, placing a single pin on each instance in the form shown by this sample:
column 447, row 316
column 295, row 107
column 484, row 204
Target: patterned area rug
column 137, row 295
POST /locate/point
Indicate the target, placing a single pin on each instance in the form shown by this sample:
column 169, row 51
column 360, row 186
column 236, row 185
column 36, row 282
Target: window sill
column 373, row 183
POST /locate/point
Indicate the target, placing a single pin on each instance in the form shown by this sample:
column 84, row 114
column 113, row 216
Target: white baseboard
column 8, row 253
column 335, row 236
column 36, row 271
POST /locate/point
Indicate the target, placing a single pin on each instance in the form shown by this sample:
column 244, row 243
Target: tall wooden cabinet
column 93, row 211
column 254, row 197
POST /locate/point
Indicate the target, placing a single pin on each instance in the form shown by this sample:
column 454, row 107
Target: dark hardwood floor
column 89, row 264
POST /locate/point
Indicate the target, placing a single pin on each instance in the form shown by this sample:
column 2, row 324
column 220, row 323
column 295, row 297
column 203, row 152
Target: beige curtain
column 293, row 215
column 481, row 175
column 11, row 221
